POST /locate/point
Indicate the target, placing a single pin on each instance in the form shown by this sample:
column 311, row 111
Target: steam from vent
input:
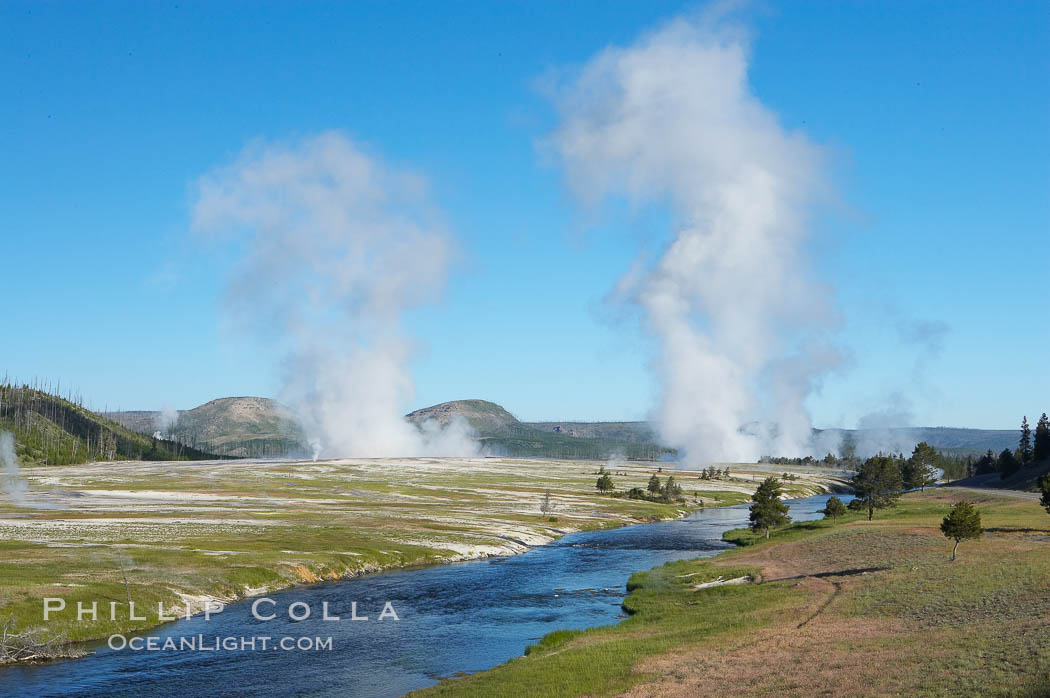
column 334, row 246
column 13, row 485
column 164, row 422
column 672, row 120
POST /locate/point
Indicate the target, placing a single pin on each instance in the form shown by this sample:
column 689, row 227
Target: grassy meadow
column 188, row 532
column 848, row 608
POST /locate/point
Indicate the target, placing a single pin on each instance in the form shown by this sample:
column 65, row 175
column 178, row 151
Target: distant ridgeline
column 53, row 430
column 242, row 427
column 947, row 440
column 59, row 430
column 258, row 427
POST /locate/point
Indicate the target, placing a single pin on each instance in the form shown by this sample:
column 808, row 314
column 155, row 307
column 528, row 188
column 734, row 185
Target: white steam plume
column 741, row 331
column 336, row 246
column 11, row 480
column 164, row 422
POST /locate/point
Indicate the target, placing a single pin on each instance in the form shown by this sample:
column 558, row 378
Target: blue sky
column 937, row 116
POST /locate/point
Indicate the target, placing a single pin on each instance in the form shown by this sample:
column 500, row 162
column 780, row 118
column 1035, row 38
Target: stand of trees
column 1033, row 447
column 666, row 493
column 50, row 429
column 1031, row 450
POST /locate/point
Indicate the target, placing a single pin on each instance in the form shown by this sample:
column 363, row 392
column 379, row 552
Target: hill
column 487, row 418
column 955, row 440
column 256, row 427
column 234, row 426
column 52, row 430
column 501, row 433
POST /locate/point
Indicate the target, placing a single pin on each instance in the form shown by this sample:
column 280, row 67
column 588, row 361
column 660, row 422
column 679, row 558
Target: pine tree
column 654, row 485
column 1041, row 450
column 962, row 522
column 1024, row 446
column 605, row 481
column 919, row 470
column 833, row 509
column 766, row 508
column 1006, row 464
column 672, row 489
column 878, row 484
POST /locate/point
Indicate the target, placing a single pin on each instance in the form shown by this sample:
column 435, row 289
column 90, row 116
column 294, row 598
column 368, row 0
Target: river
column 452, row 618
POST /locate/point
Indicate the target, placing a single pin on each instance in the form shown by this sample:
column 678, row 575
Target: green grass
column 275, row 524
column 860, row 608
column 665, row 614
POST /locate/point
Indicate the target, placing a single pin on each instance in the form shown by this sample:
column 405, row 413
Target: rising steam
column 164, row 422
column 334, row 247
column 10, row 478
column 671, row 119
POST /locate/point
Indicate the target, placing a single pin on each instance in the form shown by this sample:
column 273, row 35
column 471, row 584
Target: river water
column 453, row 618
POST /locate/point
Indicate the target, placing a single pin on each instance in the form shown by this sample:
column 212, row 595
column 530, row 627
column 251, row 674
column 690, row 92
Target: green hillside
column 52, row 430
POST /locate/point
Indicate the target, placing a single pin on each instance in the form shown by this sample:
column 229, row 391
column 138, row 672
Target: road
column 991, row 490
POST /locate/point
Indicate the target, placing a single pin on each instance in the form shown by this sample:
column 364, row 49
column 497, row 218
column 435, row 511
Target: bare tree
column 32, row 644
column 547, row 507
column 124, row 574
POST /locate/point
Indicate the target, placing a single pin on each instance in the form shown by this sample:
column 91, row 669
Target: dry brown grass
column 885, row 613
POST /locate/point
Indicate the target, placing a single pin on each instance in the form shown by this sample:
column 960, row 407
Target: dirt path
column 1020, row 494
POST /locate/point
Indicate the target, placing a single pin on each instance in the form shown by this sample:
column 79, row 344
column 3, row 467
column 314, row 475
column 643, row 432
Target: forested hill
column 52, row 430
column 949, row 439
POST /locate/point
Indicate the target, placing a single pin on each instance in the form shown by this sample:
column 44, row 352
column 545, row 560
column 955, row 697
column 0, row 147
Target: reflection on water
column 463, row 617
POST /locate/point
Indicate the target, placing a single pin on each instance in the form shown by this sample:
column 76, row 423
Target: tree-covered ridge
column 53, row 430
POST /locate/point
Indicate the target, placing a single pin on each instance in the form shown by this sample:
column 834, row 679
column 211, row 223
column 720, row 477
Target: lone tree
column 920, row 470
column 1024, row 445
column 833, row 509
column 547, row 506
column 878, row 484
column 962, row 523
column 654, row 485
column 605, row 481
column 766, row 508
column 1041, row 450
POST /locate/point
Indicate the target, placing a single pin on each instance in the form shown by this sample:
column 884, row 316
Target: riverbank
column 188, row 533
column 853, row 608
